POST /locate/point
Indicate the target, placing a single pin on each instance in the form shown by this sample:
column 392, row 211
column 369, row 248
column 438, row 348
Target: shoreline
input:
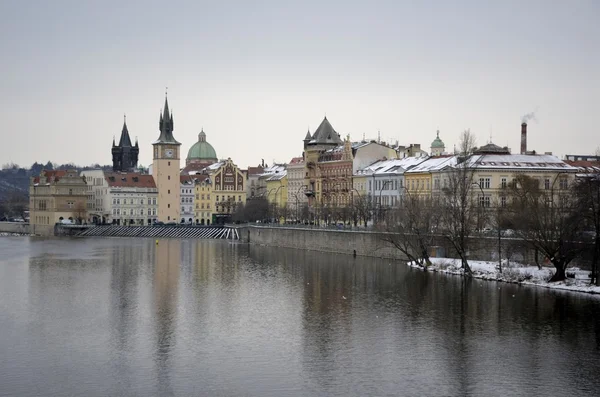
column 515, row 273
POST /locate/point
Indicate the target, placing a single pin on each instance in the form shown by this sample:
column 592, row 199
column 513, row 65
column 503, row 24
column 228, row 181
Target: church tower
column 165, row 169
column 125, row 155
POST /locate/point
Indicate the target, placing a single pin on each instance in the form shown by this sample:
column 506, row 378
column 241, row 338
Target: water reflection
column 131, row 317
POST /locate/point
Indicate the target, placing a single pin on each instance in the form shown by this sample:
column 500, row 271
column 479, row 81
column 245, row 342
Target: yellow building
column 203, row 201
column 219, row 189
column 165, row 169
column 277, row 193
column 419, row 179
column 56, row 197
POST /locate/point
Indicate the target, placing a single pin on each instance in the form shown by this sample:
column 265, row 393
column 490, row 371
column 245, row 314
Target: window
column 503, row 184
column 563, row 183
column 131, row 212
column 169, row 191
column 142, row 202
column 169, row 177
column 547, row 184
column 153, row 201
column 503, row 201
column 168, row 205
column 141, row 211
column 169, row 163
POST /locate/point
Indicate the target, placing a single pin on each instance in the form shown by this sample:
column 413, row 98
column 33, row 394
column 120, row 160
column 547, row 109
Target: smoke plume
column 528, row 117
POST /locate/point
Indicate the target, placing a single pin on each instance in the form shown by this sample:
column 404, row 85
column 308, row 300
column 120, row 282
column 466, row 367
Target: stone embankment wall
column 14, row 227
column 374, row 244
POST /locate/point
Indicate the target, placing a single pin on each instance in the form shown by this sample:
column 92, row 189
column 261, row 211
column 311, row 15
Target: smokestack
column 524, row 138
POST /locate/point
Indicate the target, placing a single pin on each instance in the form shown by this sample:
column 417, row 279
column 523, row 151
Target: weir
column 180, row 232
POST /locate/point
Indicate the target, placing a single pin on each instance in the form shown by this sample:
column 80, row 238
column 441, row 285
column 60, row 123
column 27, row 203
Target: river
column 131, row 317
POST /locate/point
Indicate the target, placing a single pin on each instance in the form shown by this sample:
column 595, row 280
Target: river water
column 129, row 317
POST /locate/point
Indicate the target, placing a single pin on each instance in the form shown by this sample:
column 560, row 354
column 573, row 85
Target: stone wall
column 14, row 227
column 370, row 243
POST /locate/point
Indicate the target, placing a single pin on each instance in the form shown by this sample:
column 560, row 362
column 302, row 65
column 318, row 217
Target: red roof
column 50, row 175
column 296, row 160
column 129, row 179
column 585, row 166
column 255, row 170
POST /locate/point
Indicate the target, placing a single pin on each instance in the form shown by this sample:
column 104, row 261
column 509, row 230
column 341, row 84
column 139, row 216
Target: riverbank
column 578, row 280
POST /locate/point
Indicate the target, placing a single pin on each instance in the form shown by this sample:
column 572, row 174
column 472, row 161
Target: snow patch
column 577, row 280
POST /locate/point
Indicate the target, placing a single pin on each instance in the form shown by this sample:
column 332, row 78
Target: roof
column 277, row 177
column 166, row 127
column 296, row 160
column 202, row 150
column 325, row 134
column 129, row 179
column 255, row 170
column 437, row 142
column 587, row 167
column 50, row 176
column 433, row 164
column 125, row 140
column 491, row 148
column 515, row 162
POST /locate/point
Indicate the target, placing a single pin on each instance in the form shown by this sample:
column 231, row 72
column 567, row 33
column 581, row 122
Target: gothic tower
column 165, row 169
column 125, row 156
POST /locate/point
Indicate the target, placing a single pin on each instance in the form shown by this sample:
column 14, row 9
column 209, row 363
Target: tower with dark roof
column 125, row 155
column 165, row 168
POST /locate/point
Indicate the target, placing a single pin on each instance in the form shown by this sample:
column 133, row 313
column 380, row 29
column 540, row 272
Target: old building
column 121, row 198
column 165, row 169
column 187, row 199
column 295, row 186
column 219, row 189
column 55, row 197
column 125, row 155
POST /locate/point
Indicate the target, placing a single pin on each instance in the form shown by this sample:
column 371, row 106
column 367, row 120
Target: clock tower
column 165, row 169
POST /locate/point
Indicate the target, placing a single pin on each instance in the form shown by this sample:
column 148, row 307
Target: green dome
column 437, row 142
column 202, row 150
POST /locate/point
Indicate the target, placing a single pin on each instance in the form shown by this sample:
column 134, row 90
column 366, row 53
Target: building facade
column 121, row 198
column 187, row 199
column 56, row 197
column 165, row 169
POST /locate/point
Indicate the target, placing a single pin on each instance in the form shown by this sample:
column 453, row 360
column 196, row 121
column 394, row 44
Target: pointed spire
column 114, row 141
column 308, row 137
column 125, row 140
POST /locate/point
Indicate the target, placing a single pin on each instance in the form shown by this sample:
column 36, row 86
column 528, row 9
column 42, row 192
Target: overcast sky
column 257, row 74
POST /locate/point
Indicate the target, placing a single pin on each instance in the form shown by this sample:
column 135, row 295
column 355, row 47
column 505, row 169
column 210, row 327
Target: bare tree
column 547, row 221
column 587, row 191
column 410, row 228
column 459, row 211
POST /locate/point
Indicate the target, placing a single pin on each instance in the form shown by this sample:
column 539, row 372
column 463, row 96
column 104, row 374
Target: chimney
column 524, row 138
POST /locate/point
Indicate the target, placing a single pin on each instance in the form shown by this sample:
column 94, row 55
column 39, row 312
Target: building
column 187, row 199
column 201, row 155
column 582, row 157
column 55, row 197
column 252, row 180
column 165, row 169
column 121, row 198
column 277, row 195
column 295, row 186
column 385, row 180
column 125, row 155
column 203, row 200
column 437, row 146
column 219, row 189
column 329, row 166
column 418, row 180
column 412, row 150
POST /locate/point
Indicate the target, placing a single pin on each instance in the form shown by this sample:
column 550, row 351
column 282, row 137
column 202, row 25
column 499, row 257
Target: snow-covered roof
column 433, row 164
column 531, row 162
column 278, row 176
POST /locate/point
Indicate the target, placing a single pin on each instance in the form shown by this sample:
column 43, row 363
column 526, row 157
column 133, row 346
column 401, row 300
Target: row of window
column 132, row 211
column 133, row 201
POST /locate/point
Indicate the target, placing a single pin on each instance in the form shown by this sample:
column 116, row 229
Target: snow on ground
column 577, row 279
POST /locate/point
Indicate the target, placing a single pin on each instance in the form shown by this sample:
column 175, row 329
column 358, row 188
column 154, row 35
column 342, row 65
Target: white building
column 122, row 198
column 187, row 199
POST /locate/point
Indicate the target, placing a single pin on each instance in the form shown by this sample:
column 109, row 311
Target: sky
column 255, row 75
